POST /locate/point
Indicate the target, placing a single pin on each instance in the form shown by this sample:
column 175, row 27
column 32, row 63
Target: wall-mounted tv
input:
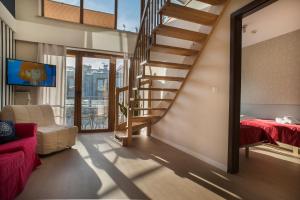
column 25, row 73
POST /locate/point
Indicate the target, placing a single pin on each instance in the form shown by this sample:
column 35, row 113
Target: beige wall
column 271, row 77
column 271, row 71
column 27, row 51
column 32, row 27
column 197, row 123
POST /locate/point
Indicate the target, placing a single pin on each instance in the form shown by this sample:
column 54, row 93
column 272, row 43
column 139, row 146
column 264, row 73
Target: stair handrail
column 149, row 21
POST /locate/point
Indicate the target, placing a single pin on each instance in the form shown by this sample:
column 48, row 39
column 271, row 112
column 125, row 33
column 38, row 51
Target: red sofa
column 17, row 160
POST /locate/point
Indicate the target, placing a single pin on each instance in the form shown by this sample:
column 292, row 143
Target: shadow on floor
column 99, row 161
column 67, row 175
column 182, row 164
column 59, row 176
column 258, row 174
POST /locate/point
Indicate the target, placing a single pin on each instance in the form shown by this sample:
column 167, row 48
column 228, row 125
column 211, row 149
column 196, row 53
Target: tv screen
column 27, row 73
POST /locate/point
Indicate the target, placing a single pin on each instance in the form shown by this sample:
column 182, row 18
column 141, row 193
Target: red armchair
column 17, row 160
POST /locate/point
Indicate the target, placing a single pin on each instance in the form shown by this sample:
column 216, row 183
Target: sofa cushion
column 42, row 115
column 50, row 136
column 54, row 138
column 7, row 131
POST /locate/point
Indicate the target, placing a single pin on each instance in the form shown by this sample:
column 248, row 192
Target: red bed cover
column 251, row 135
column 285, row 133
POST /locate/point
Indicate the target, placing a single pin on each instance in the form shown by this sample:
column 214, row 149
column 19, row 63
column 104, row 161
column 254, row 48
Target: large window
column 129, row 15
column 101, row 13
column 67, row 10
column 70, row 90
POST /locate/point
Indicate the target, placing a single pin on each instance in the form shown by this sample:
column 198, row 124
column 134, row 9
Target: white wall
column 31, row 27
column 197, row 123
column 280, row 17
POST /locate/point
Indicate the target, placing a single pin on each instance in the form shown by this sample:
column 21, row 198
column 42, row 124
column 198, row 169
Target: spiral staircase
column 170, row 40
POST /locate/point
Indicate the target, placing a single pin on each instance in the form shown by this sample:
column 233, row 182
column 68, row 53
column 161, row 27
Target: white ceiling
column 272, row 21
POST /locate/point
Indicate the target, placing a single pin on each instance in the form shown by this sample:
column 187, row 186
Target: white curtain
column 55, row 96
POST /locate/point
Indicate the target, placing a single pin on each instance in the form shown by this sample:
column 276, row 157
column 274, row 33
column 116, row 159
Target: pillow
column 7, row 131
column 245, row 117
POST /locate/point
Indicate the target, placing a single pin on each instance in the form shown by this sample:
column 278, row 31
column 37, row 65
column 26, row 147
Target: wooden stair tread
column 150, row 108
column 166, row 65
column 213, row 2
column 158, row 89
column 120, row 134
column 188, row 14
column 144, row 118
column 145, row 82
column 184, row 34
column 152, row 100
column 165, row 78
column 137, row 125
column 173, row 50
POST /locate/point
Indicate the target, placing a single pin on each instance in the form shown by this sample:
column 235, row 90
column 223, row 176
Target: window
column 66, row 10
column 101, row 13
column 129, row 15
column 100, row 85
column 120, row 72
column 70, row 90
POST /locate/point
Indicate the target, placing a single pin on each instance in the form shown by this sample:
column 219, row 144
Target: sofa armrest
column 9, row 161
column 24, row 130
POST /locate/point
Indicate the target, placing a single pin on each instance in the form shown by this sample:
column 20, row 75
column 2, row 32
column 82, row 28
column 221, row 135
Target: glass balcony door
column 90, row 85
column 95, row 93
column 70, row 90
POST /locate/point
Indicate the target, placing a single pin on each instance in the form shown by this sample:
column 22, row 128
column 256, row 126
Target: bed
column 252, row 136
column 274, row 132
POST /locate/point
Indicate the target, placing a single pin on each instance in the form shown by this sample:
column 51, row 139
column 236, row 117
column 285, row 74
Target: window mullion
column 116, row 13
column 43, row 8
column 81, row 11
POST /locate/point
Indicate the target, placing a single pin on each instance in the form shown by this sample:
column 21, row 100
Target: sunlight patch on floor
column 160, row 158
column 142, row 171
column 276, row 153
column 130, row 165
column 106, row 180
column 220, row 175
column 167, row 182
column 214, row 185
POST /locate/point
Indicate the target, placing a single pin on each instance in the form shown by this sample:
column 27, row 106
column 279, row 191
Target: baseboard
column 192, row 153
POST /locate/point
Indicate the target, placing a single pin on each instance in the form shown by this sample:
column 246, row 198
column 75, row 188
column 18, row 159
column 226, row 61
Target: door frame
column 235, row 79
column 78, row 87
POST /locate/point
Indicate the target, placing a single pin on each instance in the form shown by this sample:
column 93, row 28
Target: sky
column 128, row 10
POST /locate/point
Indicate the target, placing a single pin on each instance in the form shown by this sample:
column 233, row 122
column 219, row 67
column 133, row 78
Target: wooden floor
column 98, row 168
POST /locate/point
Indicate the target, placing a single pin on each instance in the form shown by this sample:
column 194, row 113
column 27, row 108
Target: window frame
column 81, row 21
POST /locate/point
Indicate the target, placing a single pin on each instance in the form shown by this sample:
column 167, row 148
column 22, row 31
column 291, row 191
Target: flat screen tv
column 25, row 73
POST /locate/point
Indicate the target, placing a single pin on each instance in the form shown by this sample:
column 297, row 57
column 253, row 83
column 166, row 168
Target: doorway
column 235, row 79
column 90, row 90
